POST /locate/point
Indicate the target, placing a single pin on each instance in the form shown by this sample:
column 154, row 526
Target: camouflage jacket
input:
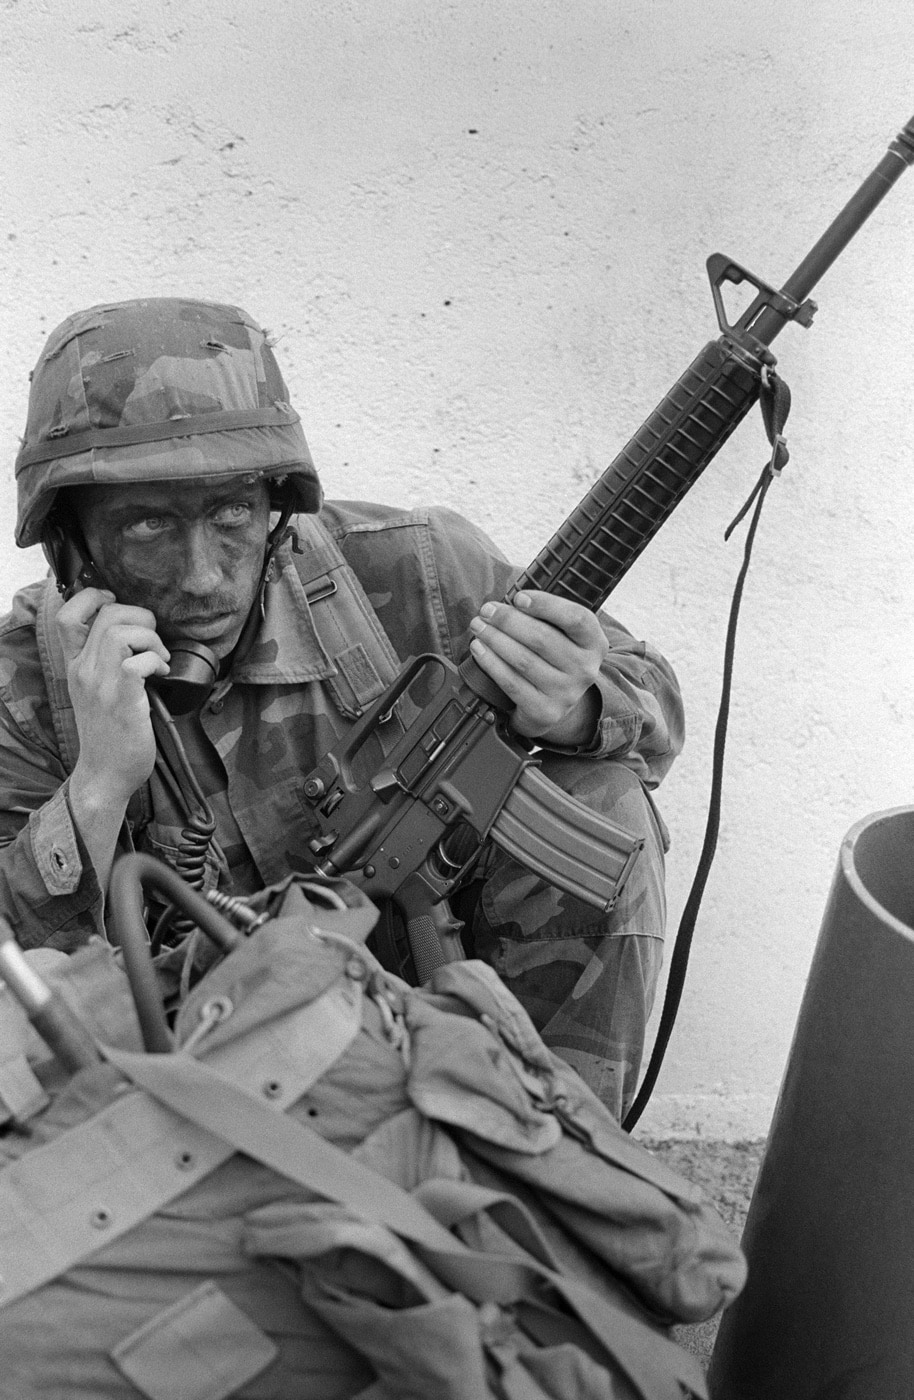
column 269, row 721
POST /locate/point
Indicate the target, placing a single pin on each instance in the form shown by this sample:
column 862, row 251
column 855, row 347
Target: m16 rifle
column 410, row 826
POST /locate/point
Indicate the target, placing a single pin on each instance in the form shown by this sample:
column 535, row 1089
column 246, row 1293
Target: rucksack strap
column 96, row 1181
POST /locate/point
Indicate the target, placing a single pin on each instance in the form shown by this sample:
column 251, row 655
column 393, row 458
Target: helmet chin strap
column 256, row 612
column 72, row 565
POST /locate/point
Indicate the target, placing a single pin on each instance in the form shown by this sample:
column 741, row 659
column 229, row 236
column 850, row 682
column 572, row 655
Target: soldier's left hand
column 545, row 653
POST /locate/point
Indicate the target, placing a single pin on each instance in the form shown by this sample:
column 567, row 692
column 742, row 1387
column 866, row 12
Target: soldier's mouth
column 212, row 625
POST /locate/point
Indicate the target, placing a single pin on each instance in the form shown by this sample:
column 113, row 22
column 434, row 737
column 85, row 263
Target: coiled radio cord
column 197, row 835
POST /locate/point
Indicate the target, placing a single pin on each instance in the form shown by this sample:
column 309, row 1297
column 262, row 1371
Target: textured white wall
column 480, row 230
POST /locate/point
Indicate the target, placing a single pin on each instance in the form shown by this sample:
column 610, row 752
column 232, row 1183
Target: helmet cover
column 163, row 389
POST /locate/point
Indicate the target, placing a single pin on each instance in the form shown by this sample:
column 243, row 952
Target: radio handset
column 193, row 671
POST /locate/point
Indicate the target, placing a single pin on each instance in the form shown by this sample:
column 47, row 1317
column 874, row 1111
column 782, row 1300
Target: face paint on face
column 191, row 552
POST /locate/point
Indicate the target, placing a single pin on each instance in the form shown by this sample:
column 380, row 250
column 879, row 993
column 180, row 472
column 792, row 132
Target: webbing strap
column 67, row 444
column 347, row 625
column 654, row 1364
column 68, row 1198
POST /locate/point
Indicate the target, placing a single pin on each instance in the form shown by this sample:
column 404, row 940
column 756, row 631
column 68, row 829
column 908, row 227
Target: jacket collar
column 286, row 649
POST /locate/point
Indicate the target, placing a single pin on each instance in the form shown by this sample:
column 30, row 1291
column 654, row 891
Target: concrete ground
column 726, row 1172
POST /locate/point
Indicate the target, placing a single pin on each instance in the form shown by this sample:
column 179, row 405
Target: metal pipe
column 829, row 1238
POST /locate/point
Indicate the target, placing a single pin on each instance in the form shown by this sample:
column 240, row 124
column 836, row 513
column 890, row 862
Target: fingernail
column 487, row 610
column 522, row 600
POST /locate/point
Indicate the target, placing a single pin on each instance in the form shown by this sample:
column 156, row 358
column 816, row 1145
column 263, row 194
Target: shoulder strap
column 347, row 625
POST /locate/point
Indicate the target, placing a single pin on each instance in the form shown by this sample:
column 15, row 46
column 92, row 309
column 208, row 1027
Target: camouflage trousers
column 586, row 979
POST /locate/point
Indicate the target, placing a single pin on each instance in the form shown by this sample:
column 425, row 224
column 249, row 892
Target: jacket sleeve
column 48, row 889
column 641, row 722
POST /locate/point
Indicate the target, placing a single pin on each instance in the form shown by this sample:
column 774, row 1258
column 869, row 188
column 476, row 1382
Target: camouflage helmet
column 157, row 390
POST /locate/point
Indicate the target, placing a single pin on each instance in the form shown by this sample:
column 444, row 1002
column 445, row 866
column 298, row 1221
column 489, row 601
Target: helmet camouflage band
column 164, row 389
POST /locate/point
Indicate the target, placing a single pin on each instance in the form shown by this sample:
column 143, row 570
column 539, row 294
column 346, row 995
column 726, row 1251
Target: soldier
column 169, row 482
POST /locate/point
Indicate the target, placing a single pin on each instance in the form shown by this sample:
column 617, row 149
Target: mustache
column 201, row 609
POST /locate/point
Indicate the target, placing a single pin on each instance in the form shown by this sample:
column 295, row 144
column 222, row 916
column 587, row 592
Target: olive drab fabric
column 164, row 388
column 340, row 1186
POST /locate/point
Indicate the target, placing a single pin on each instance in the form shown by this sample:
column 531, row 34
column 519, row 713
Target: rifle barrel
column 840, row 231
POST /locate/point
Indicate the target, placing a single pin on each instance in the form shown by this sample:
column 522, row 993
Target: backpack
column 338, row 1185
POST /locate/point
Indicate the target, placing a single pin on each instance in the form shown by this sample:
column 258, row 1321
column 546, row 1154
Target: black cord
column 130, row 875
column 198, row 833
column 683, row 943
column 775, row 402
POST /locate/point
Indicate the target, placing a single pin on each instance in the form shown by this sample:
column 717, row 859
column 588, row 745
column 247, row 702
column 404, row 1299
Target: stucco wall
column 479, row 231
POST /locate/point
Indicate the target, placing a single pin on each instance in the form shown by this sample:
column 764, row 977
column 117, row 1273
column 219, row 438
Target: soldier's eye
column 233, row 514
column 149, row 528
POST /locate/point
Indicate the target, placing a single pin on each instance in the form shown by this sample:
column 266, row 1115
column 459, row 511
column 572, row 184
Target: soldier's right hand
column 111, row 650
